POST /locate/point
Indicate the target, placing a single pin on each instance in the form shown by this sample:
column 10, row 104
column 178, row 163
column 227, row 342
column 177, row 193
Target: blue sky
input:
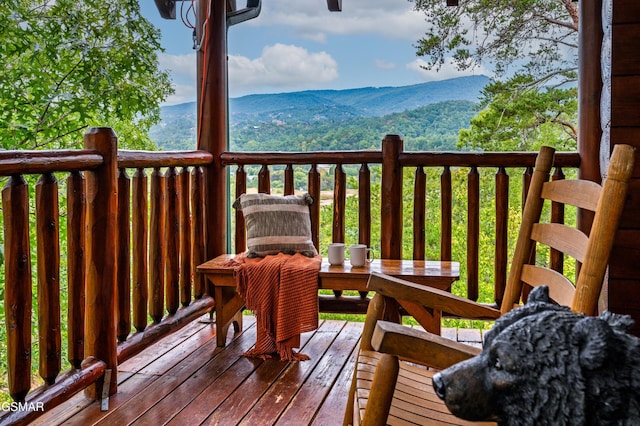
column 300, row 45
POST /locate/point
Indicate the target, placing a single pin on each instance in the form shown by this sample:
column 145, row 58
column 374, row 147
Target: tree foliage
column 517, row 119
column 68, row 65
column 532, row 46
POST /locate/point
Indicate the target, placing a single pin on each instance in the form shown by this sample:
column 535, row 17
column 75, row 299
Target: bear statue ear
column 592, row 336
column 539, row 294
column 619, row 322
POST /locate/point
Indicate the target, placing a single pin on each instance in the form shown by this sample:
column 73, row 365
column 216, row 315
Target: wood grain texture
column 76, row 228
column 184, row 229
column 157, row 246
column 140, row 246
column 17, row 297
column 172, row 242
column 48, row 248
column 124, row 256
column 102, row 204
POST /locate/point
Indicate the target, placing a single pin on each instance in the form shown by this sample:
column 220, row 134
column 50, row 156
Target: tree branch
column 570, row 25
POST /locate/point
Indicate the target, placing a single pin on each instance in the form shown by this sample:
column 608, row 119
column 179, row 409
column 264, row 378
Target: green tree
column 68, row 65
column 537, row 38
column 521, row 120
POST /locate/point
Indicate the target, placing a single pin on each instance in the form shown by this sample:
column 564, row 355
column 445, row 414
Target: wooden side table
column 229, row 305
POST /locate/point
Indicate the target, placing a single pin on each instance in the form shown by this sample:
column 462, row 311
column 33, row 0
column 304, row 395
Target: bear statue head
column 543, row 364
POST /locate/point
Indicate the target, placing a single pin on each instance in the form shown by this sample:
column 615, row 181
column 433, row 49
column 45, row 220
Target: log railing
column 131, row 251
column 395, row 219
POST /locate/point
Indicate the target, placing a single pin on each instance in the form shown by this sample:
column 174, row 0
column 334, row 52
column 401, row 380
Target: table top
column 394, row 267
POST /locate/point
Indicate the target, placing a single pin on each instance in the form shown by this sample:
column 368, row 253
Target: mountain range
column 311, row 107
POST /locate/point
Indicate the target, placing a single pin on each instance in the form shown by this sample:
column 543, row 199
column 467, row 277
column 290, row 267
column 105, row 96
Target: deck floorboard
column 184, row 379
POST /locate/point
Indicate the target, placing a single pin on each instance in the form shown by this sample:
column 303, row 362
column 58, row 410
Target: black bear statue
column 545, row 365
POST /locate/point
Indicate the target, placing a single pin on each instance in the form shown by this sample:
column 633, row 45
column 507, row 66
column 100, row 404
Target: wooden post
column 172, row 243
column 76, row 232
column 198, row 236
column 140, row 210
column 185, row 237
column 212, row 115
column 157, row 244
column 391, row 220
column 124, row 252
column 17, row 297
column 102, row 210
column 446, row 214
column 364, row 205
column 314, row 191
column 589, row 89
column 339, row 203
column 48, row 243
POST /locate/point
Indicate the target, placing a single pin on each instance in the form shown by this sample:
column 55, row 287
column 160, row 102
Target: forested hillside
column 428, row 115
column 433, row 127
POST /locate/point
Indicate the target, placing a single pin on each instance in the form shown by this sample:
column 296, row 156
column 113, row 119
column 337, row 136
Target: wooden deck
column 185, row 380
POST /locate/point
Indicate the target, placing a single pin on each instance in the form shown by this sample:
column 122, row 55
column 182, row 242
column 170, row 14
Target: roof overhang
column 334, row 5
column 167, row 8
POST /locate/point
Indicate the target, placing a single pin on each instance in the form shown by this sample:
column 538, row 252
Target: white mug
column 359, row 254
column 336, row 253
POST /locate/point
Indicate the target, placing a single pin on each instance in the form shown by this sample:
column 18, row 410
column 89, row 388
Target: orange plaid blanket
column 282, row 291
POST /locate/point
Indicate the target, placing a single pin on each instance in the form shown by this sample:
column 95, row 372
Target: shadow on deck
column 185, row 380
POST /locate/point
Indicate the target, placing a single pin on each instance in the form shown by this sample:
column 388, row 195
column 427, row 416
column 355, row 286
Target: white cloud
column 384, row 65
column 447, row 70
column 179, row 65
column 183, row 93
column 182, row 69
column 280, row 67
column 389, row 18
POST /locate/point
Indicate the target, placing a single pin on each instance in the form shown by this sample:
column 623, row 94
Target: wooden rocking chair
column 387, row 390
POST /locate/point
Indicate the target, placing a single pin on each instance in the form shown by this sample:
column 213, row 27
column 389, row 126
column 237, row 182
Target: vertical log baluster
column 446, row 214
column 419, row 213
column 156, row 246
column 502, row 230
column 241, row 188
column 185, row 237
column 339, row 204
column 76, row 200
column 172, row 241
column 473, row 232
column 124, row 255
column 364, row 209
column 264, row 180
column 526, row 183
column 102, row 222
column 289, row 187
column 198, row 235
column 556, row 260
column 48, row 248
column 339, row 207
column 140, row 250
column 364, row 205
column 17, row 296
column 314, row 191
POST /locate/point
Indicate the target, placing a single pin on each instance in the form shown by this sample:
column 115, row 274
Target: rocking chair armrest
column 430, row 297
column 419, row 346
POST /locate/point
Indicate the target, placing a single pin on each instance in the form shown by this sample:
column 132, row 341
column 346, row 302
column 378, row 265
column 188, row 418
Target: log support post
column 391, row 220
column 102, row 210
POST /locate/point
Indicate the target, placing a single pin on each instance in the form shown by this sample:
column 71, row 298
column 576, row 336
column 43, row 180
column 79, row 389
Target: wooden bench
column 229, row 305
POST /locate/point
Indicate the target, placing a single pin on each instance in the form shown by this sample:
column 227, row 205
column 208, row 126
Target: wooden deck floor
column 185, row 380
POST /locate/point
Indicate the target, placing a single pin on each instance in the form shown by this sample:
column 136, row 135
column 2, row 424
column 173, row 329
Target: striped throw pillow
column 276, row 224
